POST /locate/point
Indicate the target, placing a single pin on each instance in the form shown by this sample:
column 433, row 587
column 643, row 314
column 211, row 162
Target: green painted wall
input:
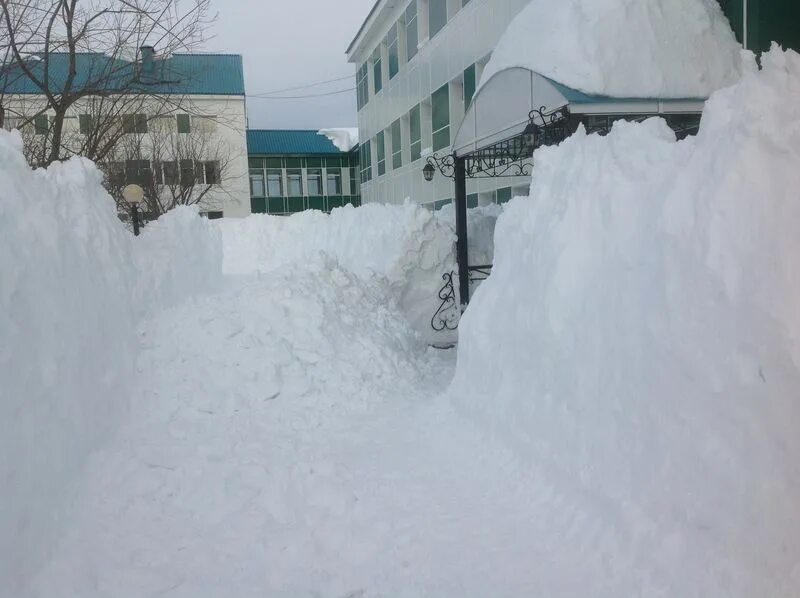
column 767, row 21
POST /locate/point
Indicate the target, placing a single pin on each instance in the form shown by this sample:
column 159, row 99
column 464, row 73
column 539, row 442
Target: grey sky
column 286, row 44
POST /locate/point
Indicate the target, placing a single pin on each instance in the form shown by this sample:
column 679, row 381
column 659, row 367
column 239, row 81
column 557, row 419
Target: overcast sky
column 287, row 44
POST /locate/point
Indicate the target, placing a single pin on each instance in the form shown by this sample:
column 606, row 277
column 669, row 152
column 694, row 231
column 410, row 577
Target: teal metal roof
column 289, row 141
column 196, row 74
column 573, row 96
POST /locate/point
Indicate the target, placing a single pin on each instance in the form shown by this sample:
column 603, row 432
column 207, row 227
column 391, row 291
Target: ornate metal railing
column 449, row 312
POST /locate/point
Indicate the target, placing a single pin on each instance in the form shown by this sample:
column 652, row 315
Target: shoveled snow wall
column 73, row 284
column 405, row 246
column 638, row 345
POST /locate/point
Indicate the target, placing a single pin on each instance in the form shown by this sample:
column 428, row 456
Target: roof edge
column 363, row 27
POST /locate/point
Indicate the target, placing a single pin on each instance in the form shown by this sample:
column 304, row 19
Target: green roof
column 289, row 141
column 195, row 74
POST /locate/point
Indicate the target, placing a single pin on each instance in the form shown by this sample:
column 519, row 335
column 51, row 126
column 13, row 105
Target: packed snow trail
column 235, row 476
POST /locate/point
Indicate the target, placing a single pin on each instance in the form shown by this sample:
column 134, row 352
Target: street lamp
column 134, row 195
column 428, row 171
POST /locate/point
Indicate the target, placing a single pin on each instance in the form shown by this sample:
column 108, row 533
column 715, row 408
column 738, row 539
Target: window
column 377, row 70
column 366, row 161
column 412, row 30
column 274, row 182
column 415, row 132
column 115, row 171
column 85, row 123
column 212, row 215
column 187, row 173
column 362, row 86
column 437, row 16
column 257, row 182
column 469, row 85
column 295, row 179
column 333, row 181
column 137, row 171
column 314, row 176
column 503, row 195
column 397, row 145
column 380, row 147
column 41, row 124
column 212, row 173
column 184, row 123
column 353, row 181
column 393, row 51
column 171, row 173
column 440, row 101
column 134, row 123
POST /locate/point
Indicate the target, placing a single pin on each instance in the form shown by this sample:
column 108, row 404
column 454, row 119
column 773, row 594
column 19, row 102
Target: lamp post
column 134, row 195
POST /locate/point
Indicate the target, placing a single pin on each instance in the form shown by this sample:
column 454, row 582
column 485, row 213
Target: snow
column 666, row 49
column 405, row 246
column 643, row 306
column 622, row 421
column 343, row 138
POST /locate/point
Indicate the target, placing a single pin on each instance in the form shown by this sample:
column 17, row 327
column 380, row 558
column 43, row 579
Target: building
column 418, row 63
column 296, row 170
column 187, row 134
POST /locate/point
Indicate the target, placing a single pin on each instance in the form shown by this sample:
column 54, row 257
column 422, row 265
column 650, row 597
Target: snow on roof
column 624, row 48
column 345, row 138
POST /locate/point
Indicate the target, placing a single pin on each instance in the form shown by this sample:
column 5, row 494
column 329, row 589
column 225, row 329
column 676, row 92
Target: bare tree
column 178, row 161
column 97, row 54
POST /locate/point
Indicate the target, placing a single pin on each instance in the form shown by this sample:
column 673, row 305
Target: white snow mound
column 638, row 343
column 344, row 138
column 623, row 48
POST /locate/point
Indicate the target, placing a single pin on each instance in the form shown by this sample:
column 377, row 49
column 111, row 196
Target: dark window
column 41, row 124
column 437, row 16
column 212, row 172
column 377, row 70
column 440, row 101
column 397, row 144
column 187, row 173
column 362, row 86
column 158, row 173
column 504, row 195
column 366, row 161
column 393, row 52
column 412, row 31
column 469, row 85
column 116, row 173
column 184, row 123
column 333, row 181
column 380, row 147
column 138, row 172
column 134, row 123
column 212, row 215
column 171, row 173
column 86, row 123
column 415, row 132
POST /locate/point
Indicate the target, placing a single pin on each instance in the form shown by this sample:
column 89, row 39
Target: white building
column 197, row 120
column 418, row 63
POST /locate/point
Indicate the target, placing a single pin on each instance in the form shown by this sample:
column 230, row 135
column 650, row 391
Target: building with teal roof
column 295, row 170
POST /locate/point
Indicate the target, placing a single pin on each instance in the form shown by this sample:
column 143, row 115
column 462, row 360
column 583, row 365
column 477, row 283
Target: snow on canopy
column 623, row 48
column 345, row 139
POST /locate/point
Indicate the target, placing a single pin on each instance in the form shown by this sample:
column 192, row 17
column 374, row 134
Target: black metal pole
column 462, row 252
column 135, row 218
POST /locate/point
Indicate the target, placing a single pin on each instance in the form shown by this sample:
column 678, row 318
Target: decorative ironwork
column 445, row 164
column 448, row 314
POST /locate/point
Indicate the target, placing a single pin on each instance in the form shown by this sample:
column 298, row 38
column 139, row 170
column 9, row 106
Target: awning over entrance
column 502, row 106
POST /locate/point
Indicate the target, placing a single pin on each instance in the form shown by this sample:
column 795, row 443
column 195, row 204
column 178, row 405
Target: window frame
column 396, row 137
column 415, row 143
column 440, row 101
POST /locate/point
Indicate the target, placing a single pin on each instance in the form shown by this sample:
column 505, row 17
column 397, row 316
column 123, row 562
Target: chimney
column 148, row 53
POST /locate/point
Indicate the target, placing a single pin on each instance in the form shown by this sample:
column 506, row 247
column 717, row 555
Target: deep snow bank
column 623, row 48
column 73, row 283
column 639, row 343
column 404, row 246
column 67, row 330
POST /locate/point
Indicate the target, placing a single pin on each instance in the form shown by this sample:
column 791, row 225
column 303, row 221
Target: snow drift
column 623, row 48
column 638, row 343
column 404, row 246
column 73, row 283
column 68, row 341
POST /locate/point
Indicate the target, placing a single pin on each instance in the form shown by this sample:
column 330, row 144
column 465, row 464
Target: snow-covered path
column 232, row 478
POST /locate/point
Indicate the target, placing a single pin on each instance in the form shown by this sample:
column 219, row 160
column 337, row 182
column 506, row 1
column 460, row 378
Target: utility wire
column 273, row 92
column 315, row 95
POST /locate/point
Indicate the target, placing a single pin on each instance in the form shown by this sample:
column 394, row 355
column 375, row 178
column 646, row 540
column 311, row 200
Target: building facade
column 418, row 63
column 186, row 136
column 296, row 170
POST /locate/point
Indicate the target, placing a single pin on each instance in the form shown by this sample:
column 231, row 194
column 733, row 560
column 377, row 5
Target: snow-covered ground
column 620, row 418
